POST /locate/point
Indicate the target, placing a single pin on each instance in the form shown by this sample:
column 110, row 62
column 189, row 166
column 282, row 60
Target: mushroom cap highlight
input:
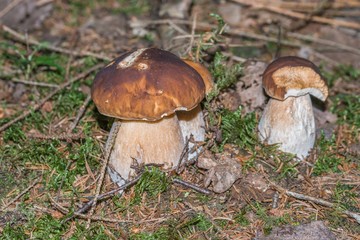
column 147, row 84
column 293, row 76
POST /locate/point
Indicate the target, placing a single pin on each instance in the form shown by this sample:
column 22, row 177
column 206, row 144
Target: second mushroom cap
column 292, row 76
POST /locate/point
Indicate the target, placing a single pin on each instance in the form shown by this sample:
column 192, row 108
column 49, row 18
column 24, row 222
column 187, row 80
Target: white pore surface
column 192, row 122
column 159, row 142
column 290, row 123
column 301, row 92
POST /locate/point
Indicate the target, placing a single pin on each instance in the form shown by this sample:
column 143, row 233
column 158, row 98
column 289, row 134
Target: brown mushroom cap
column 293, row 76
column 204, row 73
column 146, row 84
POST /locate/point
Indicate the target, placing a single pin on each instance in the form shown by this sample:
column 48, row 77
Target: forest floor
column 52, row 136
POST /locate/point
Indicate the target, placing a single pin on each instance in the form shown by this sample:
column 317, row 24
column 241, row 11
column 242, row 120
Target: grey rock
column 311, row 231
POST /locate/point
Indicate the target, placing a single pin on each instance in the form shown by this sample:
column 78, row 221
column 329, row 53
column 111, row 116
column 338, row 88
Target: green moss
column 153, row 181
column 346, row 196
column 347, row 108
column 197, row 222
column 327, row 160
column 224, row 76
column 342, row 71
column 13, row 232
column 239, row 129
column 269, row 221
column 241, row 219
column 163, row 233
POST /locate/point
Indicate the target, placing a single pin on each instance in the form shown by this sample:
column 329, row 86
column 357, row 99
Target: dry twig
column 8, row 7
column 63, row 210
column 319, row 201
column 50, row 95
column 33, row 83
column 93, row 218
column 69, row 137
column 240, row 33
column 109, row 145
column 103, row 196
column 192, row 186
column 323, row 42
column 79, row 114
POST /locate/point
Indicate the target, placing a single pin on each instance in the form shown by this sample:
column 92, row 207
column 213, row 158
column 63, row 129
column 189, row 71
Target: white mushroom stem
column 192, row 122
column 158, row 142
column 290, row 123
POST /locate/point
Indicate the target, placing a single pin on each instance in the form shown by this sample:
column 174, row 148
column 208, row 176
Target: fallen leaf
column 223, row 176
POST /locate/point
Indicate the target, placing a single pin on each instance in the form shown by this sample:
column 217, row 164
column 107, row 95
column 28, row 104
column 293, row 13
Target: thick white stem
column 192, row 122
column 289, row 123
column 157, row 142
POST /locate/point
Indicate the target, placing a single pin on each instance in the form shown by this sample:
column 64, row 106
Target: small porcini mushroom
column 288, row 118
column 192, row 122
column 143, row 89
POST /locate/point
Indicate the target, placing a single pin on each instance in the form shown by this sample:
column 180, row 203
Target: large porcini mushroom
column 288, row 118
column 143, row 89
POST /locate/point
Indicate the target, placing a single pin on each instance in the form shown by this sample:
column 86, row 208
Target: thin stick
column 33, row 83
column 183, row 154
column 111, row 138
column 319, row 201
column 192, row 186
column 20, row 194
column 289, row 13
column 240, row 33
column 114, row 130
column 8, row 7
column 323, row 42
column 309, row 6
column 322, row 202
column 79, row 114
column 103, row 196
column 50, row 95
column 98, row 218
column 94, row 218
column 23, row 39
column 192, row 34
column 65, row 136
